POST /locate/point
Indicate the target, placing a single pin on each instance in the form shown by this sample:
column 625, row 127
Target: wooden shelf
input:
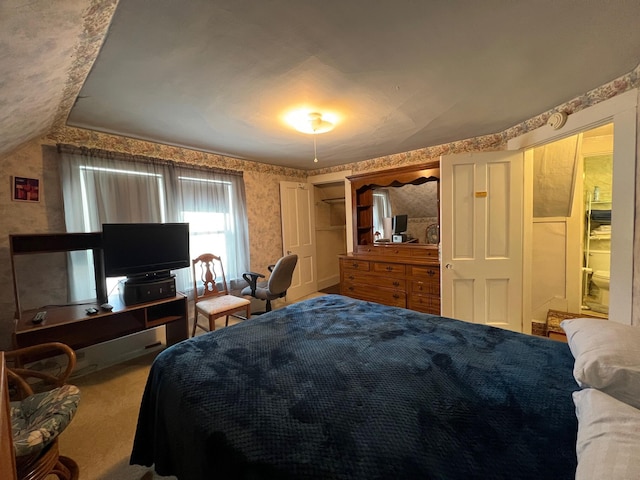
column 338, row 200
column 70, row 324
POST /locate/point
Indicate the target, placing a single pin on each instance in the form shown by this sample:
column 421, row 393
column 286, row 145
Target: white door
column 298, row 236
column 481, row 217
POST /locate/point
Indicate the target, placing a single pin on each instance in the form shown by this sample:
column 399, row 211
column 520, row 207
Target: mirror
column 418, row 202
column 412, row 191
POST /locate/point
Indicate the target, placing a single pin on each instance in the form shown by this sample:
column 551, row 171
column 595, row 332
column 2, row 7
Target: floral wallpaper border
column 96, row 23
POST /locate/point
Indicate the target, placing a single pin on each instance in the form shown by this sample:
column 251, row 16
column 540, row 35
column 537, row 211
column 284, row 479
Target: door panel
column 463, row 300
column 481, row 201
column 498, row 217
column 465, row 210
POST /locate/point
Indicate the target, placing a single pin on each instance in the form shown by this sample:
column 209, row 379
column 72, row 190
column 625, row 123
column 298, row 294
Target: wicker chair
column 43, row 408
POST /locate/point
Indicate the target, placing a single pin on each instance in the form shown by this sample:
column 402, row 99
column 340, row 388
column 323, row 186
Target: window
column 106, row 188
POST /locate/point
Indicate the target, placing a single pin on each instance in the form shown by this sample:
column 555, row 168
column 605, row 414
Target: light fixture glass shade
column 311, row 122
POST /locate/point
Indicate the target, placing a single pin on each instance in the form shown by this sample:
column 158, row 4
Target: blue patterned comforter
column 337, row 388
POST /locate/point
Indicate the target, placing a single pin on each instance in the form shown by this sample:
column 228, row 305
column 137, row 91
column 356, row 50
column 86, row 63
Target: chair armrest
column 252, row 279
column 271, row 267
column 19, row 375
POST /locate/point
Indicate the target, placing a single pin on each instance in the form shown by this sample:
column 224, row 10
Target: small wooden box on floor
column 555, row 317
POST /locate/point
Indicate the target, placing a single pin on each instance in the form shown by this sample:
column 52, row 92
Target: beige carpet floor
column 100, row 436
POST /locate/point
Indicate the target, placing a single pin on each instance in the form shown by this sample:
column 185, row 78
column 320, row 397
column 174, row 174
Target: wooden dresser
column 393, row 274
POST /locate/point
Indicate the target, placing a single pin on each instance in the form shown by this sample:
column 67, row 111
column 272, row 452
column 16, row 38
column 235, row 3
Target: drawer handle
column 351, row 277
column 389, row 268
column 396, row 296
column 396, row 284
column 355, row 265
column 351, row 288
column 431, row 272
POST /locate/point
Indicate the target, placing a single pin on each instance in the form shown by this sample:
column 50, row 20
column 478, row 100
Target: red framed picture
column 25, row 189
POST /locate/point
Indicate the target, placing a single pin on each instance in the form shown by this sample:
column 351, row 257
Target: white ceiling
column 218, row 75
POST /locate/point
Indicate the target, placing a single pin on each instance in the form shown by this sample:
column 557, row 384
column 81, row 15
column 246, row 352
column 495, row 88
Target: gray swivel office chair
column 277, row 284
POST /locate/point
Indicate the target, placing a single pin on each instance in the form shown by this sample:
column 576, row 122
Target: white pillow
column 607, row 357
column 608, row 437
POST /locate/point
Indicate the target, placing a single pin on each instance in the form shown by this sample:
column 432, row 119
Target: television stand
column 70, row 324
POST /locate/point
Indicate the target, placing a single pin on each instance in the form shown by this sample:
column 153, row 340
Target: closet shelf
column 333, row 200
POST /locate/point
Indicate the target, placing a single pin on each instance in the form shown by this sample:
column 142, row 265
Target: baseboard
column 328, row 281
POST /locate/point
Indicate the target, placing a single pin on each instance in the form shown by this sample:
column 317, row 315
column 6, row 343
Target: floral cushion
column 38, row 419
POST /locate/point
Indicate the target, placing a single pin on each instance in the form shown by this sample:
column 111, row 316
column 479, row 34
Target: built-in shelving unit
column 406, row 275
column 363, row 185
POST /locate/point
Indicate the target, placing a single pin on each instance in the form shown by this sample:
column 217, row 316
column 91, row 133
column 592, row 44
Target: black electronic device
column 145, row 251
column 106, row 306
column 39, row 317
column 400, row 224
column 92, row 311
column 134, row 292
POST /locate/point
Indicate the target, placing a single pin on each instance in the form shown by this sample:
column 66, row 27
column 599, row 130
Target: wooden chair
column 214, row 301
column 7, row 455
column 42, row 410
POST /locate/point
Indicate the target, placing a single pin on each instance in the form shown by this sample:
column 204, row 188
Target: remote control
column 39, row 317
column 92, row 311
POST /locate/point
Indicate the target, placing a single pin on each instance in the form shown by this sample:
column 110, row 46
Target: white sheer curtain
column 101, row 187
column 214, row 205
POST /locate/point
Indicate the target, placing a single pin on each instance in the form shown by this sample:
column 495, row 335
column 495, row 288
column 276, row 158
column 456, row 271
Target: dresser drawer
column 388, row 268
column 395, row 298
column 427, row 287
column 364, row 278
column 431, row 253
column 353, row 264
column 425, row 303
column 429, row 271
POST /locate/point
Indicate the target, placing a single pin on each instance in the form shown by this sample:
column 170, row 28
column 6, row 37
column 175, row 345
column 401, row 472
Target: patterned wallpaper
column 496, row 141
column 48, row 48
column 37, row 158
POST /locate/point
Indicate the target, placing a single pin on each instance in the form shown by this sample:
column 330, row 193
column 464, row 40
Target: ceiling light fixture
column 312, row 123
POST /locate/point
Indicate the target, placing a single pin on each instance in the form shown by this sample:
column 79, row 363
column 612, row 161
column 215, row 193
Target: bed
column 337, row 388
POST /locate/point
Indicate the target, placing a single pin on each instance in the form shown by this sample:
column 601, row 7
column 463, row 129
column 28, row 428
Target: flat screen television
column 400, row 224
column 145, row 250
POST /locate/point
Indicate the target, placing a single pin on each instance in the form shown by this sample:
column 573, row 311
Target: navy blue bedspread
column 336, row 388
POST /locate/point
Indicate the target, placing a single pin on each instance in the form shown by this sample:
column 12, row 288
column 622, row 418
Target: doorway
column 570, row 223
column 331, row 240
column 621, row 112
